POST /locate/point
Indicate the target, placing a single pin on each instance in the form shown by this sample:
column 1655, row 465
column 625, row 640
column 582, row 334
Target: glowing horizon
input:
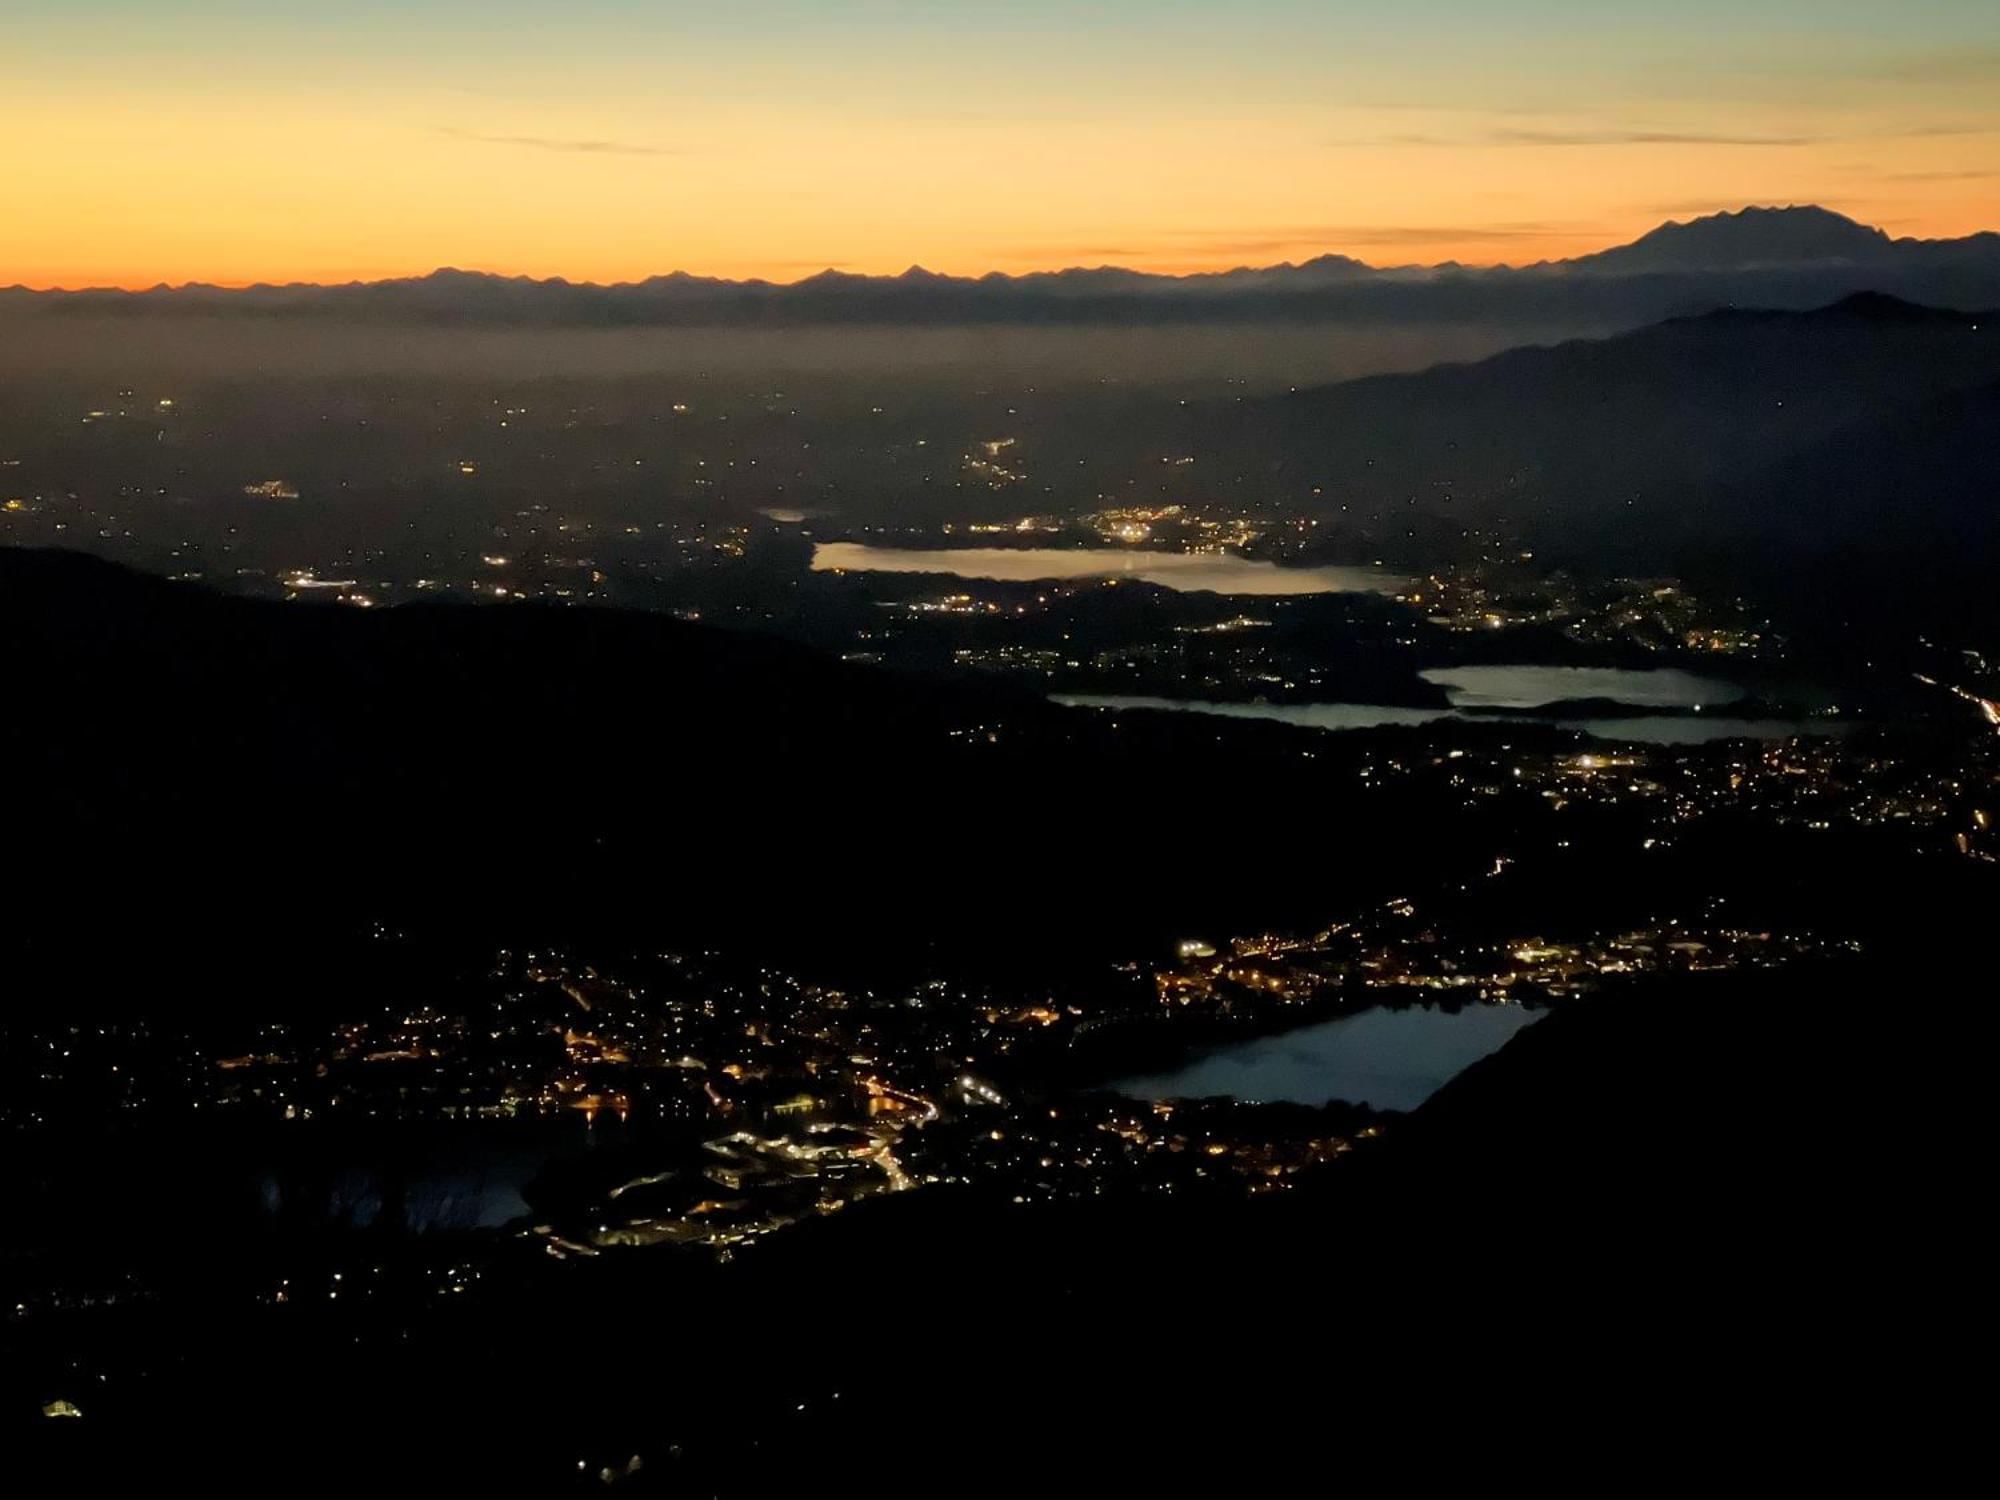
column 795, row 276
column 234, row 142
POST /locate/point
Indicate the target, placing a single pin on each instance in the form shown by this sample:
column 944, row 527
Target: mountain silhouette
column 1750, row 237
column 1773, row 257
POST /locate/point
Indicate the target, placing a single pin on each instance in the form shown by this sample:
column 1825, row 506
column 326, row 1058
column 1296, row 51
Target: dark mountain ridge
column 1755, row 237
column 1677, row 441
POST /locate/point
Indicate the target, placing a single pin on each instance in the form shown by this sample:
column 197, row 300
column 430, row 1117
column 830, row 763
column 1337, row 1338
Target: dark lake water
column 234, row 1177
column 1392, row 1059
column 425, row 1178
column 1221, row 573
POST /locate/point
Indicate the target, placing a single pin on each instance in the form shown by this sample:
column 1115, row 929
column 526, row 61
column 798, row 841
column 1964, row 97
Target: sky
column 234, row 141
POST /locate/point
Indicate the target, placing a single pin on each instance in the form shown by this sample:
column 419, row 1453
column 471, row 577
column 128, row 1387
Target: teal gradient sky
column 229, row 140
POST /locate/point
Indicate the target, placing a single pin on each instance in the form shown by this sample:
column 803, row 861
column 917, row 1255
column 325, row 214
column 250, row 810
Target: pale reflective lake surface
column 1533, row 684
column 1188, row 572
column 1306, row 715
column 1531, row 687
column 1392, row 1059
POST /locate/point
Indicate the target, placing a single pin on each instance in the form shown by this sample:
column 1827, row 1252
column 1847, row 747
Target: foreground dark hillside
column 194, row 780
column 1701, row 1224
column 1681, row 1217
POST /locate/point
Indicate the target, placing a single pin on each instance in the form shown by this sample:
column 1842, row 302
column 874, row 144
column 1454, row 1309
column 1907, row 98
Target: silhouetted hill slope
column 194, row 777
column 1640, row 448
column 1925, row 475
column 1665, row 1229
column 1715, row 1093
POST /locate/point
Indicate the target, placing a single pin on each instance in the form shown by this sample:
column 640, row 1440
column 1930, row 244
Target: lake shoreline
column 1226, row 573
column 1635, row 724
column 1385, row 1057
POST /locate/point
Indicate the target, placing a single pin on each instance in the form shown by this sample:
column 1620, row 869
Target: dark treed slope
column 1653, row 1225
column 1924, row 476
column 1809, row 431
column 190, row 775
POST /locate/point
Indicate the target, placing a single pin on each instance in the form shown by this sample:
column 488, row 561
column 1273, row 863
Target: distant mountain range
column 1772, row 257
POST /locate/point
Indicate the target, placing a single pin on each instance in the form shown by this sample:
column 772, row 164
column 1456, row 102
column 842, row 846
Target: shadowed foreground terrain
column 1666, row 1221
column 1654, row 1234
column 220, row 784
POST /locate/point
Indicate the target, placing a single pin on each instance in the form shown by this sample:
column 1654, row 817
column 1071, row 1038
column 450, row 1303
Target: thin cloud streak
column 1642, row 138
column 1319, row 239
column 1976, row 65
column 1586, row 137
column 1618, row 136
column 1071, row 256
column 557, row 143
column 1971, row 176
column 1382, row 234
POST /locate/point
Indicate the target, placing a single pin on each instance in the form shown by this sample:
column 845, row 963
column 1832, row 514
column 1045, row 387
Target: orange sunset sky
column 226, row 141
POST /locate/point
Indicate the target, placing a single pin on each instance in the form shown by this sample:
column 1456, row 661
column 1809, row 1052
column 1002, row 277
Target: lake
column 1187, row 572
column 425, row 1177
column 1391, row 1059
column 1532, row 686
column 1521, row 688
